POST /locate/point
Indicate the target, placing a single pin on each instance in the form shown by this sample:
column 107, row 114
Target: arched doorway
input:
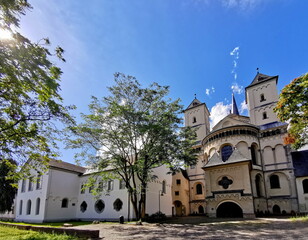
column 201, row 209
column 178, row 208
column 276, row 210
column 229, row 210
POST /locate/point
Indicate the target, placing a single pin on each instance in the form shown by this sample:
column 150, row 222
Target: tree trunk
column 133, row 197
column 142, row 201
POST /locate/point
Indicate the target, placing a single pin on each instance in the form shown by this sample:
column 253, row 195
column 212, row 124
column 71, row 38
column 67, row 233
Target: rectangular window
column 178, row 182
column 110, row 185
column 177, row 193
column 39, row 182
column 82, row 189
column 23, row 185
column 121, row 184
column 30, row 188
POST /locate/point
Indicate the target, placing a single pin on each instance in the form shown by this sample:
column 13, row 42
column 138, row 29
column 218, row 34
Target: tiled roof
column 66, row 166
column 300, row 163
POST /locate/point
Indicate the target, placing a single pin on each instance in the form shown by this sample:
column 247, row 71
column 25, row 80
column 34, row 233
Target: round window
column 99, row 206
column 117, row 205
column 83, row 206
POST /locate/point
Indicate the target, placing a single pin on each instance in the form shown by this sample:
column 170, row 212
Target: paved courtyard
column 193, row 228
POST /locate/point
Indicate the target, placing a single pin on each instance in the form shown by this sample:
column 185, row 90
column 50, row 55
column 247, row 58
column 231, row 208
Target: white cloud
column 237, row 88
column 243, row 108
column 218, row 112
column 209, row 91
column 236, row 55
column 235, row 52
column 241, row 4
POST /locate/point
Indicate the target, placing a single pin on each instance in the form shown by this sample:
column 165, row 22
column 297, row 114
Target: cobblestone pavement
column 245, row 229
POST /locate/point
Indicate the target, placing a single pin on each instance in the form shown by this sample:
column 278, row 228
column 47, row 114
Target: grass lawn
column 11, row 233
column 55, row 224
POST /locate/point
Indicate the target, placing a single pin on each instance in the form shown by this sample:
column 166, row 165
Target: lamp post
column 160, row 193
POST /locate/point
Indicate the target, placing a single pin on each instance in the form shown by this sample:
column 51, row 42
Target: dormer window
column 262, row 98
column 264, row 115
column 194, row 119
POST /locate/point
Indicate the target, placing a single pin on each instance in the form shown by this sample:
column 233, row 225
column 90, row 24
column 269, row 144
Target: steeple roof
column 194, row 103
column 260, row 78
column 234, row 109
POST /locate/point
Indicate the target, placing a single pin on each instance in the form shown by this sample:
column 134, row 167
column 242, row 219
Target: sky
column 210, row 48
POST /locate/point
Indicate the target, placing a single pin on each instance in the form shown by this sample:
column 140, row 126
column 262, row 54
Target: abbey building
column 244, row 169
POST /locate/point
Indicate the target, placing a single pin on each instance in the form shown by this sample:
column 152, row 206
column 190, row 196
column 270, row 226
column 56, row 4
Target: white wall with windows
column 31, row 195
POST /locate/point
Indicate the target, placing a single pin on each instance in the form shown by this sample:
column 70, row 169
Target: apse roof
column 216, row 160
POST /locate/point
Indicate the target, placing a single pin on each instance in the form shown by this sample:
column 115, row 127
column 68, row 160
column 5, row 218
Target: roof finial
column 257, row 70
column 195, row 96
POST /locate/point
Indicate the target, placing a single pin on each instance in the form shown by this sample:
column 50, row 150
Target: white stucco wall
column 32, row 196
column 62, row 184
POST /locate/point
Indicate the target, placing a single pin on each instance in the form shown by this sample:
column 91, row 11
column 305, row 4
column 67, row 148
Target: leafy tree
column 132, row 131
column 30, row 104
column 7, row 189
column 293, row 107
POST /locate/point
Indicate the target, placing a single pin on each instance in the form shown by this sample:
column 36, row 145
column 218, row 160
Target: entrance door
column 178, row 208
column 229, row 210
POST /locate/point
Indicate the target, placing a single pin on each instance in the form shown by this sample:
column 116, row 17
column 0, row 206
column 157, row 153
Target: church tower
column 197, row 115
column 261, row 98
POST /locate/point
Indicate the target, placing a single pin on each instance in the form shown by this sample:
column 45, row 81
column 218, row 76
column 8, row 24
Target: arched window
column 305, row 186
column 83, row 206
column 274, row 181
column 29, row 207
column 226, row 152
column 199, row 188
column 20, row 207
column 258, row 185
column 99, row 206
column 194, row 119
column 64, row 203
column 117, row 205
column 163, row 190
column 262, row 98
column 253, row 151
column 264, row 114
column 38, row 203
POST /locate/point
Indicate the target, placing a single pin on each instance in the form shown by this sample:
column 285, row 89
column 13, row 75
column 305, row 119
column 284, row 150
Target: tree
column 132, row 131
column 30, row 104
column 292, row 107
column 7, row 189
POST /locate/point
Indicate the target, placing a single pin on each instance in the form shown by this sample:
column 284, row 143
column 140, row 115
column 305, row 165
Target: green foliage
column 293, row 107
column 10, row 233
column 7, row 190
column 30, row 105
column 134, row 130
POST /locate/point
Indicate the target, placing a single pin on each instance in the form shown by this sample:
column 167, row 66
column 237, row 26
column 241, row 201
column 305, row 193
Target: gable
column 232, row 120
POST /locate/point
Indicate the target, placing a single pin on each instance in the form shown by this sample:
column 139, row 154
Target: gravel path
column 249, row 229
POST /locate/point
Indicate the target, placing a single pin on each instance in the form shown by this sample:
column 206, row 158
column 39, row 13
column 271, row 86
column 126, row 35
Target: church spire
column 234, row 109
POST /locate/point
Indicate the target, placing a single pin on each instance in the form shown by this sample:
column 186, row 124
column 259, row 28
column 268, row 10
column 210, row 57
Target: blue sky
column 204, row 47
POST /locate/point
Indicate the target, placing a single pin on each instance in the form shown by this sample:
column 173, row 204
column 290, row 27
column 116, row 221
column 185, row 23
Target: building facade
column 60, row 195
column 244, row 169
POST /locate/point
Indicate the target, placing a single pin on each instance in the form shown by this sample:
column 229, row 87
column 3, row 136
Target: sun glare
column 5, row 34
